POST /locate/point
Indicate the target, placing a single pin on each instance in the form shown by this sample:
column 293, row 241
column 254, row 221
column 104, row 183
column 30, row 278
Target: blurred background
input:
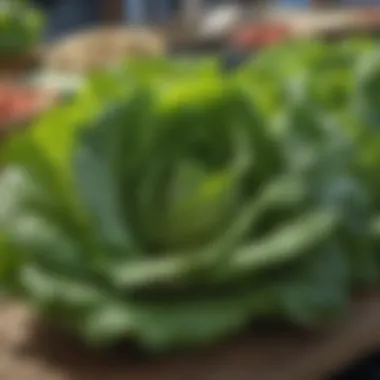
column 73, row 33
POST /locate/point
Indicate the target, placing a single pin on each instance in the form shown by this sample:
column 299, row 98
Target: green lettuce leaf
column 169, row 205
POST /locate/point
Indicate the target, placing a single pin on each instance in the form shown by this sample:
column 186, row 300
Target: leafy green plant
column 166, row 205
column 20, row 27
column 342, row 80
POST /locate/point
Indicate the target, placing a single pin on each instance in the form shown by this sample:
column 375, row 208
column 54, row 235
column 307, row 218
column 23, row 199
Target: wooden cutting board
column 28, row 352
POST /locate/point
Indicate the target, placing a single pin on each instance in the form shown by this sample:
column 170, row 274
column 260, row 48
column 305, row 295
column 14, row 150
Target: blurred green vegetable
column 168, row 205
column 20, row 27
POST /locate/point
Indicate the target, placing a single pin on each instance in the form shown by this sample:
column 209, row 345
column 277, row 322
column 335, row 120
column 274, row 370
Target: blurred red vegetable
column 19, row 104
column 260, row 35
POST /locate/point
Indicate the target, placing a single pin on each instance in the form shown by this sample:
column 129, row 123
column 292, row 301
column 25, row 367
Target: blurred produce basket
column 21, row 29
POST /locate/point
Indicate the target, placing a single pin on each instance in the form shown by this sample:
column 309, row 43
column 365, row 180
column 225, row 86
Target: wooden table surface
column 27, row 352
